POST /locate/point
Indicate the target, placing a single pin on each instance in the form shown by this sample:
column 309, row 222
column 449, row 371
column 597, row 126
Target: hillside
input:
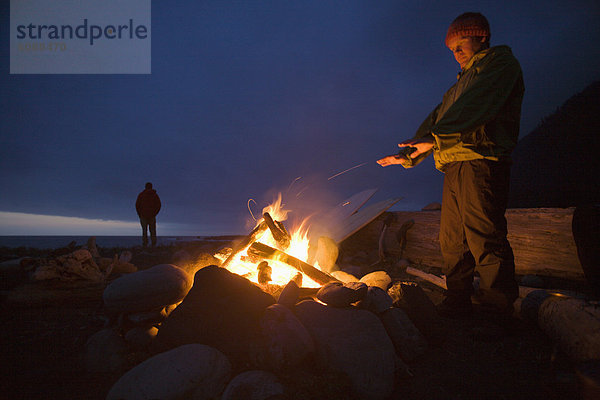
column 558, row 163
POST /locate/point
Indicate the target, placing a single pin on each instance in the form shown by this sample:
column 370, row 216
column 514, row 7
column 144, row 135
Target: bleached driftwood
column 541, row 239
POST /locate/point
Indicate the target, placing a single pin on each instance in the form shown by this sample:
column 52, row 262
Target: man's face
column 464, row 48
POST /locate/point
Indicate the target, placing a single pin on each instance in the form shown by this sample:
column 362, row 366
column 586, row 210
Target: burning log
column 256, row 232
column 280, row 234
column 264, row 272
column 267, row 252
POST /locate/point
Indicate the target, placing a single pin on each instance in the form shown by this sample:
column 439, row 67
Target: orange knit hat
column 468, row 24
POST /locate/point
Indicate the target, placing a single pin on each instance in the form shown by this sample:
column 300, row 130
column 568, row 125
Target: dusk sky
column 250, row 98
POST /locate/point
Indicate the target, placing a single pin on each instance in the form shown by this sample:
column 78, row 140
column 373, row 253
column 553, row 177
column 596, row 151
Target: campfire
column 271, row 254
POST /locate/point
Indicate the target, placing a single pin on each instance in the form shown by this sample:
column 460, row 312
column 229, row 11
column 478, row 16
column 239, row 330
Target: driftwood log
column 278, row 231
column 267, row 252
column 245, row 242
column 541, row 239
column 573, row 324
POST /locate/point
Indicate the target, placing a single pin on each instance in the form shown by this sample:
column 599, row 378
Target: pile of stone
column 82, row 264
column 174, row 336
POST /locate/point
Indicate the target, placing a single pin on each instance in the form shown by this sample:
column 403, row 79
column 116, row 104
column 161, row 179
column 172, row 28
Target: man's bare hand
column 421, row 145
column 391, row 160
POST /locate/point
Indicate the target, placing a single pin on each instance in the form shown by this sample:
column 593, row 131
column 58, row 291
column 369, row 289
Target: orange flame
column 281, row 272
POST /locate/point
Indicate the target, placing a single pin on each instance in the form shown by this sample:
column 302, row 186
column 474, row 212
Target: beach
column 47, row 325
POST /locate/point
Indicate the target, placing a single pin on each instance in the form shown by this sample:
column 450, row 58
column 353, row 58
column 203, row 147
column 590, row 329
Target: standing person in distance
column 147, row 206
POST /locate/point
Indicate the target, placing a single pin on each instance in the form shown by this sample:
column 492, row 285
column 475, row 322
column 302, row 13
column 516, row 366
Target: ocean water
column 54, row 242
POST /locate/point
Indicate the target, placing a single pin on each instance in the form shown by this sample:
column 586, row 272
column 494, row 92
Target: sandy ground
column 45, row 326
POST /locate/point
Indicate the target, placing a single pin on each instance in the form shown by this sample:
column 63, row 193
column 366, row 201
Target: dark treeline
column 558, row 163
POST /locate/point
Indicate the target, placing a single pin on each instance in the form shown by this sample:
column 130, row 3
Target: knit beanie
column 468, row 24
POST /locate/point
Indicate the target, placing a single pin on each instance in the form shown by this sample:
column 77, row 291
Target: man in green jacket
column 471, row 134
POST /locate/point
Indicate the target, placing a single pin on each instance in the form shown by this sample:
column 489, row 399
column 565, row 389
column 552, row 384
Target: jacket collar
column 482, row 54
column 476, row 57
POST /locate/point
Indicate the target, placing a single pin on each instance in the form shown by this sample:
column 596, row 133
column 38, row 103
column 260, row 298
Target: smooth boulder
column 338, row 294
column 149, row 289
column 379, row 279
column 354, row 342
column 106, row 352
column 407, row 339
column 287, row 342
column 221, row 310
column 253, row 385
column 192, row 371
column 289, row 295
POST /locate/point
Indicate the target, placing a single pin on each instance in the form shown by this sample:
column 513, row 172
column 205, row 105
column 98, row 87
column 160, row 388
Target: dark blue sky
column 245, row 97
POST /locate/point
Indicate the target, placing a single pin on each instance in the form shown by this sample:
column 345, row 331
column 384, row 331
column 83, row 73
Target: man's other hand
column 421, row 145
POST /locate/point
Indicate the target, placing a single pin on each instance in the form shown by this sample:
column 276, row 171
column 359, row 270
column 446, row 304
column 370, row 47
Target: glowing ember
column 281, row 273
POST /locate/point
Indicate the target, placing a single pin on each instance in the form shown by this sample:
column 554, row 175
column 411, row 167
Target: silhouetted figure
column 471, row 134
column 147, row 206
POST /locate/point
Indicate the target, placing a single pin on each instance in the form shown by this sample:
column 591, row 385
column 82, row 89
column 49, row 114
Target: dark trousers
column 148, row 223
column 473, row 231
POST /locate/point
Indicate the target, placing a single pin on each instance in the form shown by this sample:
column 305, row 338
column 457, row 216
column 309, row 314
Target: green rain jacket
column 479, row 116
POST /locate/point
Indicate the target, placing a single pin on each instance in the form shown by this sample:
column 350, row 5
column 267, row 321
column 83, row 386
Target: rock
column 344, row 276
column 29, row 263
column 148, row 317
column 221, row 310
column 77, row 265
column 407, row 339
column 378, row 278
column 253, row 385
column 119, row 267
column 327, row 254
column 377, row 300
column 104, row 263
column 287, row 341
column 106, row 352
column 432, row 207
column 289, row 295
column 420, row 309
column 125, row 257
column 193, row 371
column 139, row 338
column 354, row 342
column 45, row 272
column 149, row 289
column 338, row 294
column 80, row 255
column 12, row 265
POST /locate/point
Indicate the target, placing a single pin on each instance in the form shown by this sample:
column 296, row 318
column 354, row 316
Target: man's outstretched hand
column 421, row 146
column 391, row 160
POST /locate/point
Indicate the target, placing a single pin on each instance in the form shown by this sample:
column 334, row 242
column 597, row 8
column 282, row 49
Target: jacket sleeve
column 423, row 131
column 480, row 102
